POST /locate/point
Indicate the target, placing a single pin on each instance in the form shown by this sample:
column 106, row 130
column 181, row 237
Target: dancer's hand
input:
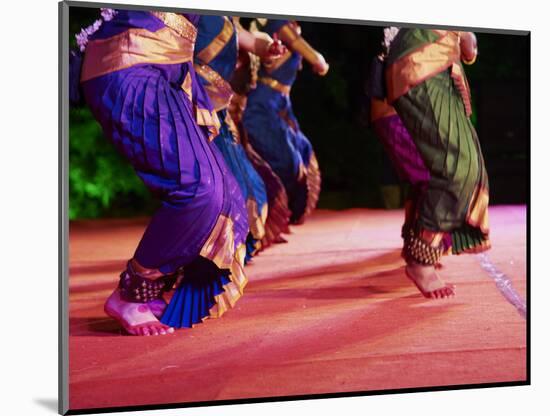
column 268, row 48
column 261, row 44
column 320, row 67
column 276, row 49
column 468, row 47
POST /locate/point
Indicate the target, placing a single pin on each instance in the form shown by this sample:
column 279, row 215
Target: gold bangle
column 471, row 61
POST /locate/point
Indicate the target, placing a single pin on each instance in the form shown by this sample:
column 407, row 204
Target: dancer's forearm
column 468, row 47
column 257, row 43
column 291, row 37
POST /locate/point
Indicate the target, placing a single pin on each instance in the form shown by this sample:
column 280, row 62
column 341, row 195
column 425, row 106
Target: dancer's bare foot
column 428, row 282
column 136, row 318
column 157, row 306
column 280, row 240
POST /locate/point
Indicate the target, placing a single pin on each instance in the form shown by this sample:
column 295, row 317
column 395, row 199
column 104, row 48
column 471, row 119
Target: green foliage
column 101, row 182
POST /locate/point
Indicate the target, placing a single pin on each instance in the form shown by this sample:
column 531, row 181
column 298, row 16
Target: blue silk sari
column 215, row 60
column 275, row 134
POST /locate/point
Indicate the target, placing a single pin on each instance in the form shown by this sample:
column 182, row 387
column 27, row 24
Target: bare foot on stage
column 157, row 306
column 136, row 318
column 428, row 282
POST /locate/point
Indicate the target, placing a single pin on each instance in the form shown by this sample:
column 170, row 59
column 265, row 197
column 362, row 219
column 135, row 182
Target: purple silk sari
column 151, row 110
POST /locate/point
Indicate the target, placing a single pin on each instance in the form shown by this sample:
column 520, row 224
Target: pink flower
column 389, row 34
column 85, row 33
column 82, row 39
column 107, row 14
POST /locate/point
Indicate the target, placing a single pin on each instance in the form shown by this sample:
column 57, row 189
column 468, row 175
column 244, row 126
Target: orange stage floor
column 331, row 311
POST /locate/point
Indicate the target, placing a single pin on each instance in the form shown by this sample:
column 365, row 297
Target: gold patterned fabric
column 218, row 89
column 257, row 228
column 218, row 43
column 418, row 251
column 478, row 210
column 380, row 109
column 210, row 120
column 235, row 288
column 313, row 181
column 276, row 85
column 187, row 86
column 415, row 67
column 220, row 249
column 273, row 64
column 179, row 24
column 461, row 84
column 170, row 45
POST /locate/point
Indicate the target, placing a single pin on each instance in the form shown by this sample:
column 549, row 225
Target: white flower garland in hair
column 85, row 33
column 389, row 35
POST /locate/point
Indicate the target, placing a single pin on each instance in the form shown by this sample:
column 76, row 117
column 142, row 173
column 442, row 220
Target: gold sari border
column 461, row 84
column 219, row 246
column 218, row 43
column 422, row 63
column 234, row 289
column 380, row 109
column 237, row 106
column 179, row 24
column 278, row 219
column 478, row 210
column 210, row 120
column 276, row 85
column 313, row 182
column 232, row 127
column 187, row 86
column 480, row 248
column 220, row 249
column 432, row 238
column 134, row 47
column 256, row 220
column 274, row 64
column 218, row 89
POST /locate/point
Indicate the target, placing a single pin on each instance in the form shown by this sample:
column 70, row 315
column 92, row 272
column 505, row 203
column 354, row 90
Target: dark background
column 332, row 112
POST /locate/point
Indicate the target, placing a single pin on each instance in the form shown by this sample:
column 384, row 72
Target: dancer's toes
column 449, row 291
column 445, row 292
column 136, row 318
column 160, row 329
column 428, row 281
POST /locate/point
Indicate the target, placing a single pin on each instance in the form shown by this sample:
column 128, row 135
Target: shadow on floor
column 48, row 404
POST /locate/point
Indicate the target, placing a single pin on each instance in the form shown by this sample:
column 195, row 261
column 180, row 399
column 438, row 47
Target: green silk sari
column 427, row 87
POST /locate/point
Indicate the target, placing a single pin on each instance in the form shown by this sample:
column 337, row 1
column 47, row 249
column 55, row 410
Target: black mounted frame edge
column 319, row 396
column 63, row 62
column 319, row 19
column 63, row 213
